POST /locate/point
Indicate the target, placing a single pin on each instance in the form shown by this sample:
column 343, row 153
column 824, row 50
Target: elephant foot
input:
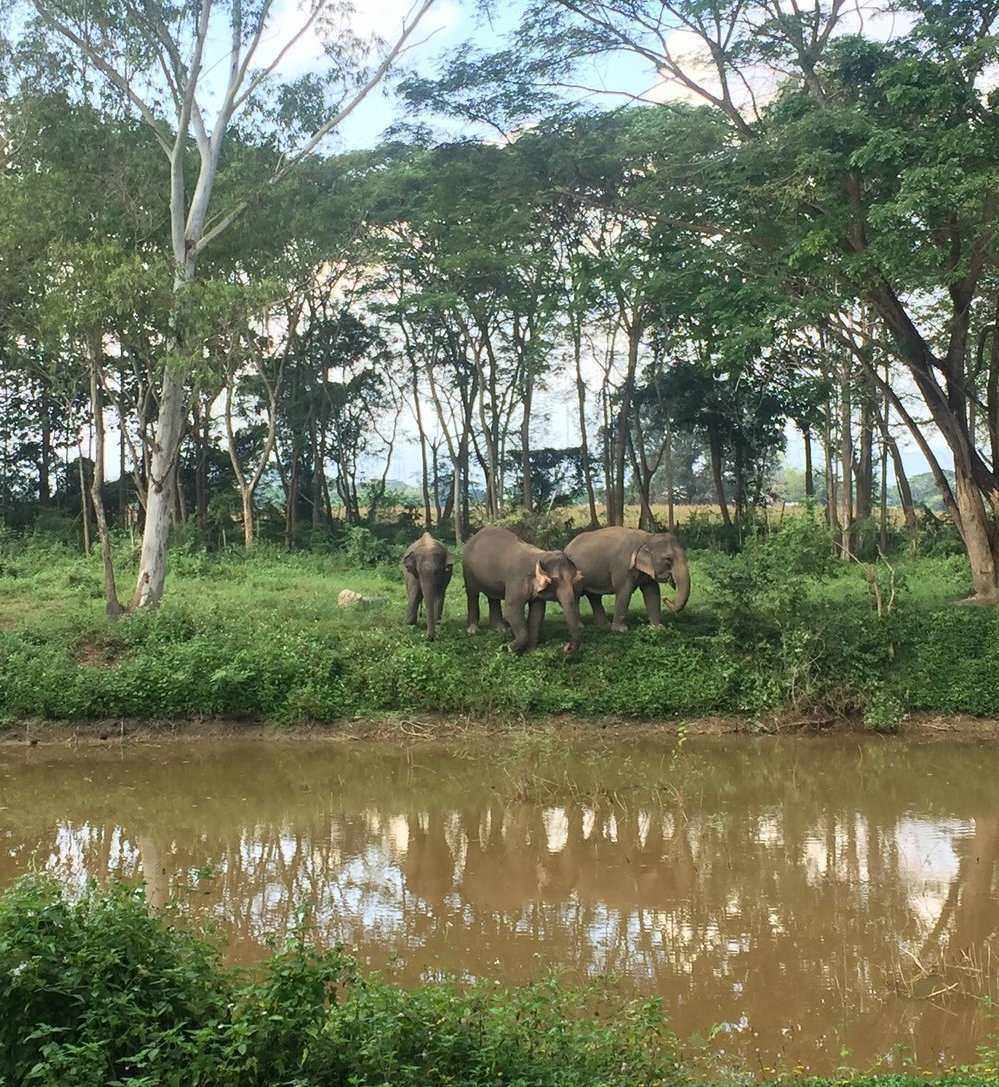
column 514, row 647
column 619, row 628
column 472, row 628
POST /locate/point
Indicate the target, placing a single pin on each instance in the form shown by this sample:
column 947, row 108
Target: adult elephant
column 427, row 568
column 620, row 560
column 500, row 566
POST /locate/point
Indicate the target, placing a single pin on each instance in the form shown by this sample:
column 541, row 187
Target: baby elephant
column 620, row 560
column 504, row 568
column 427, row 567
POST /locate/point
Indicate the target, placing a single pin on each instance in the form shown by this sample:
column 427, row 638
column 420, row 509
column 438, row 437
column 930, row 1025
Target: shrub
column 550, row 530
column 361, row 547
column 101, row 991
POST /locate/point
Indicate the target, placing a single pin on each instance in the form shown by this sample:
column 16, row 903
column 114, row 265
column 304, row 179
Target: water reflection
column 789, row 890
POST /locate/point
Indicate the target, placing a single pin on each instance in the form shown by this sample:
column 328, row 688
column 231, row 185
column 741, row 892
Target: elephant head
column 555, row 577
column 432, row 566
column 662, row 558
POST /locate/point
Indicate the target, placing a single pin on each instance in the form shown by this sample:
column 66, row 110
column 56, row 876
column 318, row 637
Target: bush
column 550, row 530
column 101, row 991
column 361, row 547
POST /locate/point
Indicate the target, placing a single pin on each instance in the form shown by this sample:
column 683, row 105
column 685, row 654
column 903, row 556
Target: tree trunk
column 159, row 502
column 714, row 445
column 122, row 486
column 979, row 537
column 646, row 519
column 291, row 504
column 668, row 466
column 621, row 435
column 114, row 608
column 84, row 500
column 846, row 548
column 525, row 445
column 246, row 495
column 809, row 477
column 584, row 443
column 606, row 455
column 45, row 453
column 428, row 520
column 904, row 490
column 832, row 499
column 199, row 431
column 864, row 467
column 317, row 479
column 739, row 465
column 883, row 533
column 992, row 394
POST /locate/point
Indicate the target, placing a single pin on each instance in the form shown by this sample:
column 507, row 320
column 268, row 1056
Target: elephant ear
column 642, row 560
column 409, row 562
column 539, row 580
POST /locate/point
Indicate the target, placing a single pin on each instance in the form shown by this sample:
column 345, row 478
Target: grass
column 780, row 627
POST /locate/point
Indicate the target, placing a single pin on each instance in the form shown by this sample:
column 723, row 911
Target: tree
column 156, row 54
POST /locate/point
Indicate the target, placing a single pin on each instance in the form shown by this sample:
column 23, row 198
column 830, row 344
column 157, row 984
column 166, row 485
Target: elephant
column 619, row 560
column 504, row 568
column 427, row 567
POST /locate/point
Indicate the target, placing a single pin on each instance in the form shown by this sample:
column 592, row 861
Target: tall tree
column 159, row 58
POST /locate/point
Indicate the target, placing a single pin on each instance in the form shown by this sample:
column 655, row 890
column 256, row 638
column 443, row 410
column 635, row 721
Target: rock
column 350, row 599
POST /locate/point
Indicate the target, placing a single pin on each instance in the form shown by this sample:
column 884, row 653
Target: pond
column 797, row 902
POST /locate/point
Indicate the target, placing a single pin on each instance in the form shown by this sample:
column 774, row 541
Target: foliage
column 260, row 635
column 549, row 529
column 101, row 990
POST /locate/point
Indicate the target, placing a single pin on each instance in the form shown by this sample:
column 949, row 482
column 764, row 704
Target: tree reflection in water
column 790, row 894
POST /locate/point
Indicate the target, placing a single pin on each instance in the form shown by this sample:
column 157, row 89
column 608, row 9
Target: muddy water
column 819, row 902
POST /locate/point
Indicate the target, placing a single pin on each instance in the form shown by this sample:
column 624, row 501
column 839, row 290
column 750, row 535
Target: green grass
column 261, row 636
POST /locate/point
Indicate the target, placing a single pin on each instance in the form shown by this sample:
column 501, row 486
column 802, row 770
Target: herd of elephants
column 516, row 576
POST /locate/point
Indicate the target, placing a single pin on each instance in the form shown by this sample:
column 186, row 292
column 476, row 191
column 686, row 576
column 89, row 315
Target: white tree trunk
column 159, row 504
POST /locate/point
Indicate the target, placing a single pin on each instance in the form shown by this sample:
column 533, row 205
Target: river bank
column 259, row 637
column 444, row 728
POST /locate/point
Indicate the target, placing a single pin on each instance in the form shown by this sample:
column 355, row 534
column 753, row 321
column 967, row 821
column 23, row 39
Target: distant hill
column 924, row 490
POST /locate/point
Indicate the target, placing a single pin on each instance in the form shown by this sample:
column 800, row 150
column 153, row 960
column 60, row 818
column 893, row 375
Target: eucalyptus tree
column 192, row 73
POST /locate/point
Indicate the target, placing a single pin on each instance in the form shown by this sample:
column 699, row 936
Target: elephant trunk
column 570, row 605
column 681, row 578
column 430, row 590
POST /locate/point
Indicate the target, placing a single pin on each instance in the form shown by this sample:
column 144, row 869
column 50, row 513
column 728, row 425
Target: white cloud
column 370, row 19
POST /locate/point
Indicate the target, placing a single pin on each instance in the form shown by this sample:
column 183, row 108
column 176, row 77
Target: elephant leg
column 622, row 599
column 473, row 609
column 535, row 618
column 496, row 620
column 414, row 595
column 514, row 613
column 597, row 607
column 653, row 604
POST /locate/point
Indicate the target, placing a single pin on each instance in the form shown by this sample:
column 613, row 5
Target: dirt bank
column 409, row 728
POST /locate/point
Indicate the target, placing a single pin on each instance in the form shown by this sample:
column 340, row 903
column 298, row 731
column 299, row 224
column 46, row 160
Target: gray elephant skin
column 617, row 561
column 427, row 567
column 500, row 566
